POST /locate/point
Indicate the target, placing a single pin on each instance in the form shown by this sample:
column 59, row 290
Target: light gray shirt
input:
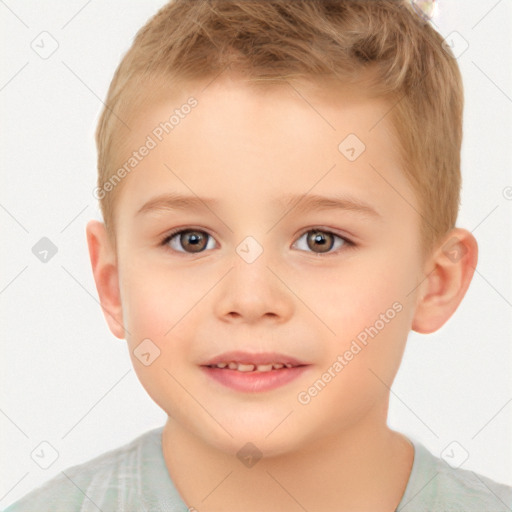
column 134, row 478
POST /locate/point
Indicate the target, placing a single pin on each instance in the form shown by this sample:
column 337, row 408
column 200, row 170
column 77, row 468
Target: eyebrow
column 309, row 202
column 174, row 201
column 303, row 203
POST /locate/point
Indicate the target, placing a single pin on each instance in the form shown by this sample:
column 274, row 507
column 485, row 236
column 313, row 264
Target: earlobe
column 450, row 271
column 106, row 276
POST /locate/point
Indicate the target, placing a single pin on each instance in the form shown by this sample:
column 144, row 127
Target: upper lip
column 256, row 358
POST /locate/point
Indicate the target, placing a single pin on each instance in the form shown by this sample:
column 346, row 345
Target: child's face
column 249, row 152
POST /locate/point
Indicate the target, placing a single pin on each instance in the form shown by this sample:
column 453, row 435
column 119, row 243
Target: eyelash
column 348, row 244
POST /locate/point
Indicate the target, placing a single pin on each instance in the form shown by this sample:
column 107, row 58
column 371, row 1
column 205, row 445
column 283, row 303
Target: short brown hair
column 271, row 41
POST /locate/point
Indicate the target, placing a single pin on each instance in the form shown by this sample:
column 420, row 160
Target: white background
column 68, row 381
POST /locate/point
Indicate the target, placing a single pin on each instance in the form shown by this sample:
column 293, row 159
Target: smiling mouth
column 253, row 372
column 252, row 367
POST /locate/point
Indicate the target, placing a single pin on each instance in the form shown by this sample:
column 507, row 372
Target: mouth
column 251, row 367
column 242, row 371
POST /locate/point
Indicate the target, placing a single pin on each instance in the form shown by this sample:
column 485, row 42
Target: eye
column 324, row 241
column 193, row 239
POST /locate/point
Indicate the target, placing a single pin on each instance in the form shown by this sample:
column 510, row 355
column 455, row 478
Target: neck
column 364, row 467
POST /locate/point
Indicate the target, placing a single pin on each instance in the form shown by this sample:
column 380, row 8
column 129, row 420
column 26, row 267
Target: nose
column 253, row 290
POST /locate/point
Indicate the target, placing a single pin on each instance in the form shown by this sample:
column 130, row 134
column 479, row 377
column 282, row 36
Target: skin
column 245, row 147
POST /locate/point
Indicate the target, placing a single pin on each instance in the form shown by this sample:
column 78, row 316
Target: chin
column 262, row 438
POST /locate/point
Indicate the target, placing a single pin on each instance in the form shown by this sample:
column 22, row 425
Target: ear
column 105, row 271
column 449, row 272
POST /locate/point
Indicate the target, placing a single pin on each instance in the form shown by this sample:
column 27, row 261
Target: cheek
column 368, row 305
column 164, row 307
column 156, row 299
column 147, row 314
column 353, row 296
column 358, row 365
column 155, row 305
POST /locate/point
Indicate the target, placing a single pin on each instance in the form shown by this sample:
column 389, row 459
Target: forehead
column 254, row 143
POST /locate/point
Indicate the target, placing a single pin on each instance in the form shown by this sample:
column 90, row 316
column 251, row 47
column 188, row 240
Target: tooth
column 245, row 367
column 241, row 367
column 264, row 367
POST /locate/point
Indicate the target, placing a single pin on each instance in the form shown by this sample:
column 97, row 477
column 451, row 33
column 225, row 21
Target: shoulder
column 435, row 485
column 102, row 483
column 463, row 488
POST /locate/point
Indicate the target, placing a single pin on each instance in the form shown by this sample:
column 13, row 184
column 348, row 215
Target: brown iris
column 322, row 240
column 194, row 240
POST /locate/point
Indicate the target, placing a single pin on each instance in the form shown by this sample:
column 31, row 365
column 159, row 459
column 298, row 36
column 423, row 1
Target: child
column 255, row 130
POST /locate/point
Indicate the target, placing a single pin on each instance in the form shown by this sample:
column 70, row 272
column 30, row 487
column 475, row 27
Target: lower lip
column 253, row 382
